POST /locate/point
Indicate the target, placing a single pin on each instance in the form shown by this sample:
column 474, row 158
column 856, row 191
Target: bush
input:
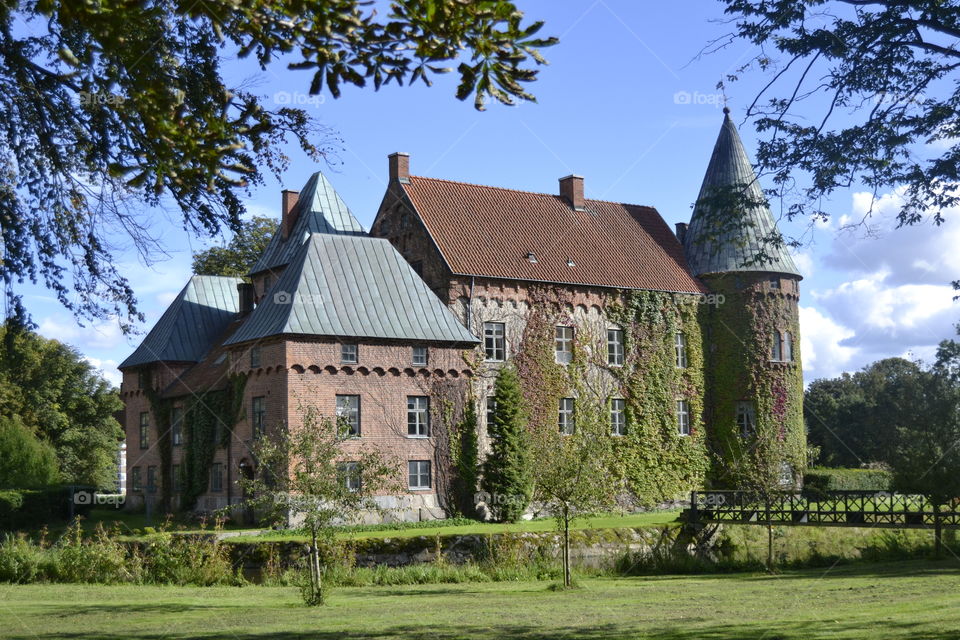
column 819, row 480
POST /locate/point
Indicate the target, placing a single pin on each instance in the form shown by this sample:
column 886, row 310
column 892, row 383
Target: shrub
column 818, row 480
column 22, row 561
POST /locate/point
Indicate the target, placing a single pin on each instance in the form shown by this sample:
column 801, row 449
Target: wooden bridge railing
column 833, row 508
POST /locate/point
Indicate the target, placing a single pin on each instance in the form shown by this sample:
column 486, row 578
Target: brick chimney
column 571, row 188
column 399, row 166
column 288, row 217
column 245, row 290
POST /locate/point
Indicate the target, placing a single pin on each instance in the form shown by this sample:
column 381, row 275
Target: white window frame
column 615, row 347
column 420, row 356
column 776, row 349
column 618, row 417
column 680, row 350
column 683, row 417
column 495, row 341
column 746, row 419
column 567, row 416
column 349, row 414
column 491, row 409
column 349, row 353
column 350, row 475
column 563, row 344
column 417, row 470
column 418, row 416
column 787, row 351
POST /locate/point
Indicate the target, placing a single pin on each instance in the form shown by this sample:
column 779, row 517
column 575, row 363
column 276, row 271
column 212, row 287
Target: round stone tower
column 754, row 382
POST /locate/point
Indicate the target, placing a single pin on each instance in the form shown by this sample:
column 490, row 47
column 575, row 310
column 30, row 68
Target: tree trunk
column 314, row 567
column 566, row 547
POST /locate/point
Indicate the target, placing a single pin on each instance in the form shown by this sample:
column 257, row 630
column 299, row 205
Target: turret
column 754, row 390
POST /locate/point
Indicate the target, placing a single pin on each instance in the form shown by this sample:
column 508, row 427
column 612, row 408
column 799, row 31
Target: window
column 151, row 479
column 175, row 478
column 141, row 379
column 567, row 418
column 420, row 356
column 176, row 426
column 254, row 357
column 136, row 483
column 745, row 419
column 144, row 429
column 680, row 348
column 683, row 418
column 349, row 473
column 216, row 477
column 348, row 415
column 349, row 353
column 774, row 282
column 418, row 416
column 614, row 347
column 418, row 472
column 787, row 347
column 267, row 281
column 259, row 416
column 491, row 412
column 618, row 416
column 417, row 266
column 494, row 342
column 776, row 351
column 564, row 345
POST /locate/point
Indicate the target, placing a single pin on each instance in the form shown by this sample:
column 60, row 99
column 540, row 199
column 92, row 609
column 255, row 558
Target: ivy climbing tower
column 754, row 382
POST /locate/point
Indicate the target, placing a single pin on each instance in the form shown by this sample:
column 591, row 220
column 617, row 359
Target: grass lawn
column 917, row 599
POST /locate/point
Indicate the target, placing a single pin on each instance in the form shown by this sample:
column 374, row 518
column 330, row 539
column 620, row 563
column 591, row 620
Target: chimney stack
column 681, row 231
column 245, row 289
column 571, row 188
column 399, row 166
column 288, row 218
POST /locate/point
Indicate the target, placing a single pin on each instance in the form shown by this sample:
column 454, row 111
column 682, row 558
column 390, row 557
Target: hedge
column 821, row 479
column 30, row 509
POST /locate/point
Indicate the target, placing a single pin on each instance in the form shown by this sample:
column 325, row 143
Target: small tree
column 241, row 253
column 468, row 460
column 572, row 477
column 303, row 475
column 927, row 457
column 506, row 472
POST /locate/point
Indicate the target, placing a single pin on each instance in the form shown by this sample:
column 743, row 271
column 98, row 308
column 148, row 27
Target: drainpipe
column 467, row 321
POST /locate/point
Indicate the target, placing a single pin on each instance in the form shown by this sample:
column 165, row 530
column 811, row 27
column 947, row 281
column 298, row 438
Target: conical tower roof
column 731, row 229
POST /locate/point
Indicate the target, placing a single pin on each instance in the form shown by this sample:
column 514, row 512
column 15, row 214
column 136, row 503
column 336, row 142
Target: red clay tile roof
column 488, row 231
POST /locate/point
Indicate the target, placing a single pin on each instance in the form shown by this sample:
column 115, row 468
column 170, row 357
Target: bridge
column 822, row 508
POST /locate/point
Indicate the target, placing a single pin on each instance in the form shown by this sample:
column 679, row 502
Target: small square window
column 349, row 353
column 494, row 341
column 420, row 356
column 418, row 416
column 418, row 474
column 774, row 282
column 255, row 357
column 618, row 416
column 349, row 473
column 615, row 347
column 564, row 345
column 683, row 418
column 348, row 415
column 567, row 419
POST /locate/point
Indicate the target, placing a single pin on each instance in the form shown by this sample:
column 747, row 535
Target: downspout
column 466, row 321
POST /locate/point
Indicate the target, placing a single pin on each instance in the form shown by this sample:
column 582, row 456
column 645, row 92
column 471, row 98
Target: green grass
column 916, row 599
column 549, row 524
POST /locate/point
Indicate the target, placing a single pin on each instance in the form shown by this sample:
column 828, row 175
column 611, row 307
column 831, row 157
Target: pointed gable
column 351, row 286
column 718, row 241
column 190, row 326
column 319, row 209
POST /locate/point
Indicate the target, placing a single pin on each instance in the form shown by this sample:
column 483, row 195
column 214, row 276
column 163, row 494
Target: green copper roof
column 351, row 286
column 191, row 324
column 319, row 210
column 722, row 238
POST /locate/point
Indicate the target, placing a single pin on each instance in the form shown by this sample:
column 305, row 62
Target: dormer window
column 532, row 257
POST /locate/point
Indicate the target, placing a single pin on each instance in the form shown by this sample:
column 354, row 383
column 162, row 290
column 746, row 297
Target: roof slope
column 320, row 209
column 352, row 286
column 191, row 324
column 488, row 231
column 718, row 241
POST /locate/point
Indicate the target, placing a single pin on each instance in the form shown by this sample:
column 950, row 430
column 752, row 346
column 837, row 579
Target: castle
column 690, row 339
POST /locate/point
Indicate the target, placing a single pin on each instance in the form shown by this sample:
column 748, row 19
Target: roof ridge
column 532, row 193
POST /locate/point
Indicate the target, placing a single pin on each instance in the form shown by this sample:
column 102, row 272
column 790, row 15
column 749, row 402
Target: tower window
column 776, row 350
column 787, row 347
column 564, row 344
column 774, row 282
column 746, row 419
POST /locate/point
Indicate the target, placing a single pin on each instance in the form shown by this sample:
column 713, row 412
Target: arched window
column 787, row 347
column 776, row 353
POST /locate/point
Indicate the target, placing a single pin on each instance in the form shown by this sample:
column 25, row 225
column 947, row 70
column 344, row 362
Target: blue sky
column 627, row 103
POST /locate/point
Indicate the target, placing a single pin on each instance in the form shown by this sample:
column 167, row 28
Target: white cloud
column 804, row 262
column 101, row 334
column 821, row 345
column 107, row 369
